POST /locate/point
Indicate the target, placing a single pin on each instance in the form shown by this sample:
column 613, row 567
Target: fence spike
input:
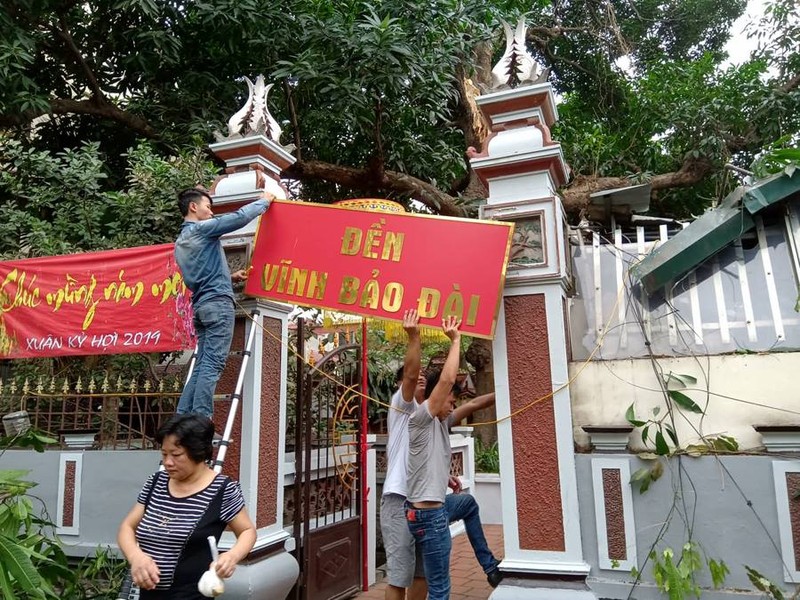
column 120, row 383
column 106, row 385
column 26, row 387
column 2, row 385
column 65, row 387
column 133, row 385
column 39, row 385
column 147, row 385
column 79, row 385
column 13, row 387
column 52, row 387
column 92, row 385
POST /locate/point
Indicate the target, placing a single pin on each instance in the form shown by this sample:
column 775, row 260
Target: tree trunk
column 479, row 355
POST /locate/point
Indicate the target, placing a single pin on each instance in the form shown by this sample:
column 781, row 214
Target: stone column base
column 541, row 589
column 268, row 577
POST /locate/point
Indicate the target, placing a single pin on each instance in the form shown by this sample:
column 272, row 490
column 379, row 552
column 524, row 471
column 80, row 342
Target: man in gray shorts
column 397, row 539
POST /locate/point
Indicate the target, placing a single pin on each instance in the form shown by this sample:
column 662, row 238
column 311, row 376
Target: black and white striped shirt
column 173, row 531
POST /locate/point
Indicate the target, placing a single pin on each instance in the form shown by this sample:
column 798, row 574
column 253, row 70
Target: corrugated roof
column 708, row 234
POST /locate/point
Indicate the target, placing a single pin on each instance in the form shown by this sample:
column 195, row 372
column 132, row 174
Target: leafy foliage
column 33, row 565
column 777, row 159
column 662, row 427
column 375, row 91
column 30, row 562
column 487, row 457
column 763, row 584
column 59, row 204
column 677, row 578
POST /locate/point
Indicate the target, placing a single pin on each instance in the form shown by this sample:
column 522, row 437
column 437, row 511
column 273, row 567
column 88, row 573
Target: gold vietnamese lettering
column 472, row 313
column 26, row 295
column 348, row 292
column 392, row 297
column 121, row 290
column 269, row 276
column 317, row 285
column 454, row 305
column 371, row 294
column 377, row 243
column 284, row 278
column 351, row 241
column 428, row 303
column 373, row 240
column 393, row 246
column 72, row 293
column 168, row 288
column 294, row 281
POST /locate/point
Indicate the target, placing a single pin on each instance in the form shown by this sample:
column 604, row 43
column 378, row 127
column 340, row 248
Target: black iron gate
column 327, row 490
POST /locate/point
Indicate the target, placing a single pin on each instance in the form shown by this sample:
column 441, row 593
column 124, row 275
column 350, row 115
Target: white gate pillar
column 522, row 167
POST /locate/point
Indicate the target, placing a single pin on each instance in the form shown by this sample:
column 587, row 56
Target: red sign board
column 131, row 300
column 382, row 264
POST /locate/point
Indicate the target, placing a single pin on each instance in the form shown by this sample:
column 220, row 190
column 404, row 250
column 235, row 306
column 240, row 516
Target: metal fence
column 104, row 412
column 740, row 300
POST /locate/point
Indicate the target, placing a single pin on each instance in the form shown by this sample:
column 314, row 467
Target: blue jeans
column 213, row 324
column 465, row 507
column 431, row 529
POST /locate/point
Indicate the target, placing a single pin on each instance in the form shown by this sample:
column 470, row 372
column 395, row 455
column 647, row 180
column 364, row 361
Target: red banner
column 381, row 264
column 131, row 300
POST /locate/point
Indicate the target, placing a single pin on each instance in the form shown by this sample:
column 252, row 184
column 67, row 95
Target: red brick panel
column 615, row 515
column 793, row 490
column 538, row 489
column 268, row 467
column 68, row 508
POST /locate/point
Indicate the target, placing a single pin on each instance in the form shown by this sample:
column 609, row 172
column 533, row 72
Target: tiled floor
column 467, row 578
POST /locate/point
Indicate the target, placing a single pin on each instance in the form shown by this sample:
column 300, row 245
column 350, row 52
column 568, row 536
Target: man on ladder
column 200, row 256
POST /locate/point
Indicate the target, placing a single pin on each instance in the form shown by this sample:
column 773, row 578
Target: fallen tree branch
column 365, row 179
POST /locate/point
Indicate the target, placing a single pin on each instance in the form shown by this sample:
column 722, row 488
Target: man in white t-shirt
column 397, row 539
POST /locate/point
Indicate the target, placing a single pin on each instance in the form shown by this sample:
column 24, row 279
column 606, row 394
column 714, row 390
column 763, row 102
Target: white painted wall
column 603, row 390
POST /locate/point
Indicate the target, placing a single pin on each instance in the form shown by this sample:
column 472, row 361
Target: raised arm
column 447, row 378
column 219, row 226
column 466, row 409
column 411, row 363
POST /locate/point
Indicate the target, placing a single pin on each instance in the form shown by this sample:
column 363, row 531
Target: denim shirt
column 200, row 257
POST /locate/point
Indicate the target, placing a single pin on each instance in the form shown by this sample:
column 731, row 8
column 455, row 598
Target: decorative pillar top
column 254, row 117
column 519, row 108
column 517, row 66
column 253, row 155
column 521, row 166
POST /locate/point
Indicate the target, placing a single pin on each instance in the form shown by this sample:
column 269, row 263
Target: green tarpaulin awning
column 710, row 233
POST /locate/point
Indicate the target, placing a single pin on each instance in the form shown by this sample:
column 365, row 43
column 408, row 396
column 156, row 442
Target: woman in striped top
column 164, row 537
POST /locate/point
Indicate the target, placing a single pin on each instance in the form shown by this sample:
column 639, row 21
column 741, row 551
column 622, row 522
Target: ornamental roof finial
column 517, row 66
column 254, row 117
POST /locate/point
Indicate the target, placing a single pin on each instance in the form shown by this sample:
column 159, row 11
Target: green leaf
column 631, row 417
column 645, row 431
column 647, row 456
column 672, row 435
column 719, row 570
column 657, row 470
column 696, row 450
column 684, row 401
column 661, row 444
column 680, row 379
column 17, row 563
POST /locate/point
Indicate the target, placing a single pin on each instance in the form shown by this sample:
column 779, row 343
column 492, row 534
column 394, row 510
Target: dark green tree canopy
column 378, row 97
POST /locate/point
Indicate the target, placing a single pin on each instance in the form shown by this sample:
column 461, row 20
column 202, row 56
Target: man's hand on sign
column 240, row 275
column 450, row 327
